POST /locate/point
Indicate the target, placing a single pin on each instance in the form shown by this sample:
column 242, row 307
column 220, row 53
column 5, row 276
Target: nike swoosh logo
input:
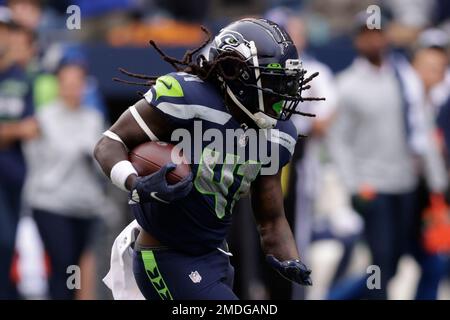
column 153, row 195
column 168, row 86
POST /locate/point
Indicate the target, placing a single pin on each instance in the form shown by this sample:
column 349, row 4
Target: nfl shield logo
column 243, row 139
column 195, row 277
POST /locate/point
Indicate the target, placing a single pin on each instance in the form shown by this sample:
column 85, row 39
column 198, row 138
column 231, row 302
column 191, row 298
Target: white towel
column 120, row 279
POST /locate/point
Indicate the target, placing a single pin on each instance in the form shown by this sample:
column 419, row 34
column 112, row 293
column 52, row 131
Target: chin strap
column 254, row 53
column 261, row 119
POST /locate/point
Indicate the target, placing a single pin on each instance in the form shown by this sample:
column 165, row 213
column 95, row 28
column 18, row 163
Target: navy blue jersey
column 224, row 158
column 15, row 104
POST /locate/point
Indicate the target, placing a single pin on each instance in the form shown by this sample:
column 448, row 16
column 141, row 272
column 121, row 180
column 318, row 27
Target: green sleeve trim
column 168, row 86
column 151, row 268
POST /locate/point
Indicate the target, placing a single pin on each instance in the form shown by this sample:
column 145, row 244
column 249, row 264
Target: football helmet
column 265, row 78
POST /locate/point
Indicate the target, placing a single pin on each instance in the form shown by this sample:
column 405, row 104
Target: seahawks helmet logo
column 229, row 40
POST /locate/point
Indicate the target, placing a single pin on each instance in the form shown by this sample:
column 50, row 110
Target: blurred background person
column 431, row 63
column 430, row 60
column 380, row 141
column 27, row 13
column 311, row 163
column 63, row 188
column 24, row 42
column 46, row 84
column 16, row 126
column 41, row 18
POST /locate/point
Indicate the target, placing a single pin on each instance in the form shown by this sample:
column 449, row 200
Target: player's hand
column 29, row 128
column 292, row 270
column 154, row 187
column 367, row 192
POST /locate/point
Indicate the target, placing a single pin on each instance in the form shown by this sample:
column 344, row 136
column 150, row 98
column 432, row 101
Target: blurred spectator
column 307, row 163
column 43, row 85
column 31, row 15
column 379, row 139
column 16, row 125
column 46, row 84
column 24, row 42
column 27, row 13
column 41, row 19
column 413, row 13
column 63, row 189
column 436, row 43
column 430, row 62
column 431, row 65
column 330, row 18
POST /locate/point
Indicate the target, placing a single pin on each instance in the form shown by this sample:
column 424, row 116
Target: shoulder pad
column 184, row 97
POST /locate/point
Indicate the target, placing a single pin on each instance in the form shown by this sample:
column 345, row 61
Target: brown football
column 149, row 157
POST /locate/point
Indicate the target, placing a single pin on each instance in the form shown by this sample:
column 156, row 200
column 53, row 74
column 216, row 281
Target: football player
column 249, row 76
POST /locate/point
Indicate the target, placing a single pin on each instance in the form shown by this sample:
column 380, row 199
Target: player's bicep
column 141, row 123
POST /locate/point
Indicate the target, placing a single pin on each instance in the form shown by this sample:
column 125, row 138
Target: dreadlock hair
column 201, row 67
column 226, row 66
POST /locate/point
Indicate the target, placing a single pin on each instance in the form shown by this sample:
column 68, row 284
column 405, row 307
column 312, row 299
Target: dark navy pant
column 166, row 274
column 389, row 231
column 65, row 239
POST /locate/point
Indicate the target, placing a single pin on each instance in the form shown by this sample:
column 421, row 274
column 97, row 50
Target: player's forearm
column 277, row 239
column 13, row 131
column 108, row 152
column 9, row 132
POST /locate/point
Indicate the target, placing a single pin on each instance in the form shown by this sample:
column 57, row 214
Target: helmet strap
column 261, row 119
column 254, row 53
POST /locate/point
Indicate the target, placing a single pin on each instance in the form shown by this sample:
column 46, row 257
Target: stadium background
column 115, row 33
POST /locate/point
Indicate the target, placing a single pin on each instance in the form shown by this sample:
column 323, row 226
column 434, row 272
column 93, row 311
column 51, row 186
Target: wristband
column 120, row 173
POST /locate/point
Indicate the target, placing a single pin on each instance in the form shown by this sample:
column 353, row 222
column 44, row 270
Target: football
column 149, row 157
